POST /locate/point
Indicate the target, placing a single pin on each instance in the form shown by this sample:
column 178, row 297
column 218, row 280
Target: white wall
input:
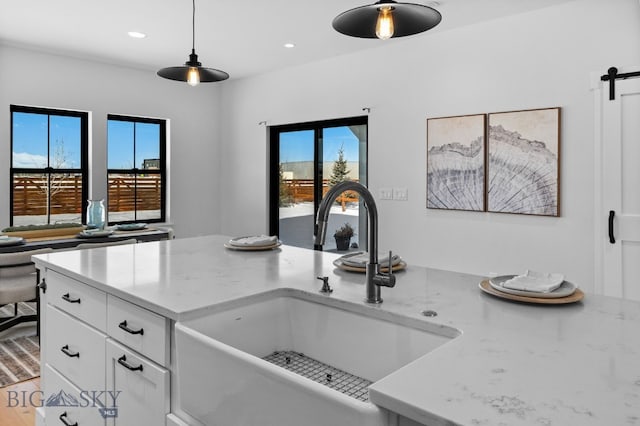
column 39, row 79
column 538, row 59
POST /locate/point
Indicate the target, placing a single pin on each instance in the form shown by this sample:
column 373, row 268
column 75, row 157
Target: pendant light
column 386, row 19
column 192, row 71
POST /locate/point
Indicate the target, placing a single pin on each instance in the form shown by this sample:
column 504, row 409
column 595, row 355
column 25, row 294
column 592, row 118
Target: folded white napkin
column 360, row 260
column 254, row 241
column 537, row 282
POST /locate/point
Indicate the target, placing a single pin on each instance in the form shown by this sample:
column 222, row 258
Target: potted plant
column 343, row 237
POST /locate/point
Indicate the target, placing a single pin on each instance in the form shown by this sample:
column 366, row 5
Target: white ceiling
column 241, row 37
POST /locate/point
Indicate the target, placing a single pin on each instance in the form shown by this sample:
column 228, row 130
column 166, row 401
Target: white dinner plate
column 11, row 241
column 238, row 242
column 565, row 289
column 347, row 259
column 131, row 226
column 340, row 265
column 252, row 248
column 95, row 233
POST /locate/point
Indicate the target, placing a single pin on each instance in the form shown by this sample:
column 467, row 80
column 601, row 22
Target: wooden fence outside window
column 301, row 190
column 126, row 193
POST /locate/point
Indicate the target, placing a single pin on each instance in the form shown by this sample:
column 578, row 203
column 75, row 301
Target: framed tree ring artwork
column 523, row 170
column 456, row 162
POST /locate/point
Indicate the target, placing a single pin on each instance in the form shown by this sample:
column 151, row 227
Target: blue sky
column 298, row 145
column 30, row 142
column 121, row 153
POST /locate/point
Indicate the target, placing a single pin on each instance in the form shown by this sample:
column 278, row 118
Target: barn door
column 619, row 215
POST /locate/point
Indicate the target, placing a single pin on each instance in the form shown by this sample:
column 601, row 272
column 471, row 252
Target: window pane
column 65, row 142
column 29, row 199
column 30, row 194
column 148, row 197
column 128, row 192
column 296, row 208
column 121, row 197
column 30, row 134
column 120, row 145
column 341, row 152
column 66, row 197
column 147, row 146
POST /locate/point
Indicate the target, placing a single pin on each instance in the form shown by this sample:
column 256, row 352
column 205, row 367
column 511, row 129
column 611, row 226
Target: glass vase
column 96, row 214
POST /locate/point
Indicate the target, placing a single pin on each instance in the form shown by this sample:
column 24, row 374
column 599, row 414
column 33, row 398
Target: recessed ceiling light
column 289, row 45
column 136, row 34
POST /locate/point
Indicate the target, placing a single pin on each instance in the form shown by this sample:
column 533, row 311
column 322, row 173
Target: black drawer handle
column 123, row 362
column 63, row 419
column 123, row 325
column 612, row 238
column 65, row 350
column 67, row 298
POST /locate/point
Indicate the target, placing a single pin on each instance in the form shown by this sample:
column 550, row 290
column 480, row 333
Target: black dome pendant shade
column 207, row 75
column 202, row 74
column 408, row 19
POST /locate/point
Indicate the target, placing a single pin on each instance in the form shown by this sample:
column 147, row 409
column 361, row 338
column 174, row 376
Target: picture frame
column 456, row 151
column 523, row 162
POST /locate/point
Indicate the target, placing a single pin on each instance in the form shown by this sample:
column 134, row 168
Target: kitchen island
column 512, row 364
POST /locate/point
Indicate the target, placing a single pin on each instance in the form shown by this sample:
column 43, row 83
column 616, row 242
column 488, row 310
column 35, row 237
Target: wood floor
column 20, row 415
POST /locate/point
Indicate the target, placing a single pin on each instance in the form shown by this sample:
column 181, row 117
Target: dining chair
column 111, row 243
column 18, row 283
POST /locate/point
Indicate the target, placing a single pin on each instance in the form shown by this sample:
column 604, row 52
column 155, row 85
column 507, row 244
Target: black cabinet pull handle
column 63, row 419
column 612, row 238
column 123, row 325
column 67, row 298
column 65, row 350
column 123, row 362
column 42, row 285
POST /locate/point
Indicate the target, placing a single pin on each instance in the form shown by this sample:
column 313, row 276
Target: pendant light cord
column 193, row 28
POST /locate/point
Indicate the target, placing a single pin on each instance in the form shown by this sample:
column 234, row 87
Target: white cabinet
column 86, row 303
column 139, row 329
column 75, row 349
column 141, row 385
column 104, row 360
column 76, row 407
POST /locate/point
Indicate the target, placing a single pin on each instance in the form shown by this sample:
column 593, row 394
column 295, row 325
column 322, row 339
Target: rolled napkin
column 360, row 260
column 536, row 282
column 254, row 241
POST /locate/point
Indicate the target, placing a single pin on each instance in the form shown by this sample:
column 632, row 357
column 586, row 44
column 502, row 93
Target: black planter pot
column 342, row 243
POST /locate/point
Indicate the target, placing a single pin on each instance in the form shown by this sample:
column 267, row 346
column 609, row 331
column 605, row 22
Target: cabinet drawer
column 76, row 350
column 139, row 329
column 63, row 402
column 79, row 300
column 143, row 387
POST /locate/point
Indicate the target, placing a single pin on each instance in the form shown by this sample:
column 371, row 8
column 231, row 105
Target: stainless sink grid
column 353, row 386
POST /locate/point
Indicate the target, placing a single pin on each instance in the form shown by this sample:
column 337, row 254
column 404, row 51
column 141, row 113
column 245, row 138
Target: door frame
column 274, row 160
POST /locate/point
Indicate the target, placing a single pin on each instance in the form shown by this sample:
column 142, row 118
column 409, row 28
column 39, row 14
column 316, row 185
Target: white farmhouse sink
column 223, row 380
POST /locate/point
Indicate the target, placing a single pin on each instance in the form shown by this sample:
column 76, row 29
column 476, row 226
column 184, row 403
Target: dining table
column 73, row 240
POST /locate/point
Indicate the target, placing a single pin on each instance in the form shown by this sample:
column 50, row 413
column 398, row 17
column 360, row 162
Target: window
column 136, row 169
column 48, row 165
column 306, row 159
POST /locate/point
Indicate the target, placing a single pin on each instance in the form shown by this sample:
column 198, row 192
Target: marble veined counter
column 513, row 364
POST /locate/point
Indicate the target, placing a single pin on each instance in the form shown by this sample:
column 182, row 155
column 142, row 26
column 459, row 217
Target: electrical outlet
column 400, row 194
column 386, row 194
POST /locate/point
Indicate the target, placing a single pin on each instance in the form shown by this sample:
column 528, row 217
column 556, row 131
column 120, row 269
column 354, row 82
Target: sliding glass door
column 306, row 160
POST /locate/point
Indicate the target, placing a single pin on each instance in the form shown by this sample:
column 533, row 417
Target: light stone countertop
column 513, row 364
